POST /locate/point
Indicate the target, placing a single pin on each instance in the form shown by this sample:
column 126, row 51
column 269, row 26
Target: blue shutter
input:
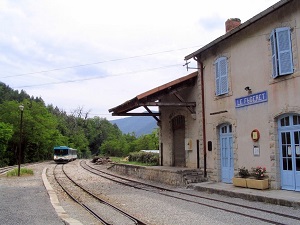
column 217, row 77
column 274, row 55
column 221, row 76
column 285, row 62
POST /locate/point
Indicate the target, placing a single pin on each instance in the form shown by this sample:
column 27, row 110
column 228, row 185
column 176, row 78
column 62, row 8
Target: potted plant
column 240, row 181
column 260, row 180
column 243, row 172
column 259, row 172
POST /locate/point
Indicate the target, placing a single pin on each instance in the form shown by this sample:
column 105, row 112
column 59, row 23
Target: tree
column 39, row 134
column 8, row 94
column 6, row 132
column 127, row 143
column 47, row 126
column 98, row 130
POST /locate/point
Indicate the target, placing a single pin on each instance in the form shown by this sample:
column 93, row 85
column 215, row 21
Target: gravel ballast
column 25, row 200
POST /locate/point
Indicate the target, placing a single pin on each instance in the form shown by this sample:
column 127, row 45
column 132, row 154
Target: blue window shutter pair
column 221, row 76
column 282, row 58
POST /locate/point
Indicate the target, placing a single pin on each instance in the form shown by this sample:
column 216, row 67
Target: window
column 296, row 120
column 178, row 122
column 282, row 61
column 285, row 121
column 221, row 76
column 226, row 129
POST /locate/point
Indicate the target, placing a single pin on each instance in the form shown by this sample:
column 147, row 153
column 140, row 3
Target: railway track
column 259, row 214
column 101, row 209
column 3, row 170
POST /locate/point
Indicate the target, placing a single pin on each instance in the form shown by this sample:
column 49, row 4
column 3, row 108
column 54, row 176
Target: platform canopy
column 153, row 97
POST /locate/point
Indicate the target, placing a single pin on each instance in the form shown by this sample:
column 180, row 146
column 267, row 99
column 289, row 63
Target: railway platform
column 278, row 197
column 176, row 176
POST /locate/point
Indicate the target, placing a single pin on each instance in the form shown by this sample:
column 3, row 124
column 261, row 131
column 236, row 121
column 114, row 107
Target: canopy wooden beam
column 149, row 111
column 176, row 104
column 136, row 114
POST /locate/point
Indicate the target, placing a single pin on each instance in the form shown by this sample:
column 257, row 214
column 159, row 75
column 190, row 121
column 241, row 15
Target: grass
column 23, row 171
column 125, row 161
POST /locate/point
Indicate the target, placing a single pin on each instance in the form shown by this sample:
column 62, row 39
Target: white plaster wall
column 249, row 64
column 249, row 61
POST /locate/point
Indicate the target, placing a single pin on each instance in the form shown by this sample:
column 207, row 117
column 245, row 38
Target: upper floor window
column 221, row 76
column 282, row 59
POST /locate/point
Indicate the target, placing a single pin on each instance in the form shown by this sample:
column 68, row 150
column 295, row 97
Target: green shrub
column 144, row 157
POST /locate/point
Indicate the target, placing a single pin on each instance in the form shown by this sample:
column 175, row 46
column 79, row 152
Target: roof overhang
column 153, row 96
column 238, row 29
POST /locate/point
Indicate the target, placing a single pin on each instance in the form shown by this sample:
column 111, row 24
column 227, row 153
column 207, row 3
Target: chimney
column 232, row 23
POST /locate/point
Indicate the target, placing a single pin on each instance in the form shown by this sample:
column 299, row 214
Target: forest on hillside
column 46, row 126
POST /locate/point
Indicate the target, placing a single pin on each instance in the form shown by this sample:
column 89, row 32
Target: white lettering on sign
column 251, row 99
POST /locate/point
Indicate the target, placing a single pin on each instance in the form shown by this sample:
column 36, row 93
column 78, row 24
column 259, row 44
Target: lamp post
column 21, row 107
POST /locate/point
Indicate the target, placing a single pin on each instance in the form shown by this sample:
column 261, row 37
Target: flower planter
column 257, row 184
column 239, row 182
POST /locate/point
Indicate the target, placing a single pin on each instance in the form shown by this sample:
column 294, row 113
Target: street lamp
column 21, row 107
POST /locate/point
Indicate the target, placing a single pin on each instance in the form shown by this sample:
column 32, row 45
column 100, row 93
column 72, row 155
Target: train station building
column 241, row 108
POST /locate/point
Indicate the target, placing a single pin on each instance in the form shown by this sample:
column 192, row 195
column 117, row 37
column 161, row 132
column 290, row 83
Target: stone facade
column 248, row 54
column 165, row 175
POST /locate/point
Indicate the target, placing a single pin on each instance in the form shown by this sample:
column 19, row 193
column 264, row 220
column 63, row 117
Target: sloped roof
column 239, row 28
column 151, row 97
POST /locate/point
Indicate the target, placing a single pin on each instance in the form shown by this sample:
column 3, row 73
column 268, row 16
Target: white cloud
column 51, row 35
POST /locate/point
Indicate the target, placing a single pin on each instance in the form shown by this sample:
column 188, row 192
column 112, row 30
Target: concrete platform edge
column 55, row 202
column 246, row 196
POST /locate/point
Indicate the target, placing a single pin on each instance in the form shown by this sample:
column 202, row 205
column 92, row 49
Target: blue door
column 289, row 141
column 227, row 169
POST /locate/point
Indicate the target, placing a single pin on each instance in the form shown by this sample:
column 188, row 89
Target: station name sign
column 251, row 99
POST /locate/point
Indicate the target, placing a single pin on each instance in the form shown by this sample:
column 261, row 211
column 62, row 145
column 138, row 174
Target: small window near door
column 226, row 129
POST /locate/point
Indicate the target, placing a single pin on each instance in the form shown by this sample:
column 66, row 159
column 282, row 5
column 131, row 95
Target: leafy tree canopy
column 44, row 127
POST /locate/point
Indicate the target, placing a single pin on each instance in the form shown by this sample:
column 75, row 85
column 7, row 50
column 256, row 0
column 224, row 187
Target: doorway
column 289, row 148
column 178, row 127
column 227, row 168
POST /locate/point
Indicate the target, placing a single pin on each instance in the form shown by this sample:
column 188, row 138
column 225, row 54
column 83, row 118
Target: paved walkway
column 279, row 197
column 24, row 200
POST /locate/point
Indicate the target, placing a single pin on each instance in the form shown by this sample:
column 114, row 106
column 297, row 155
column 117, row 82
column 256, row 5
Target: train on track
column 64, row 154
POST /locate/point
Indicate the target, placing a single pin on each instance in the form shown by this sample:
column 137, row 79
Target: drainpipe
column 203, row 114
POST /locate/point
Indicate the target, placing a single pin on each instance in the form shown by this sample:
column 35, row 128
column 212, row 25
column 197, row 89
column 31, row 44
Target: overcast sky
column 97, row 54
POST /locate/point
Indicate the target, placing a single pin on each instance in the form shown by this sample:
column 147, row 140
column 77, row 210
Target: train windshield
column 60, row 152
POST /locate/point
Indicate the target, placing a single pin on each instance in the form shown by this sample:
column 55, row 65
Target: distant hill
column 140, row 125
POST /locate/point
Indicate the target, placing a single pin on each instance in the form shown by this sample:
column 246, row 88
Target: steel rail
column 191, row 195
column 197, row 196
column 78, row 202
column 8, row 168
column 135, row 220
